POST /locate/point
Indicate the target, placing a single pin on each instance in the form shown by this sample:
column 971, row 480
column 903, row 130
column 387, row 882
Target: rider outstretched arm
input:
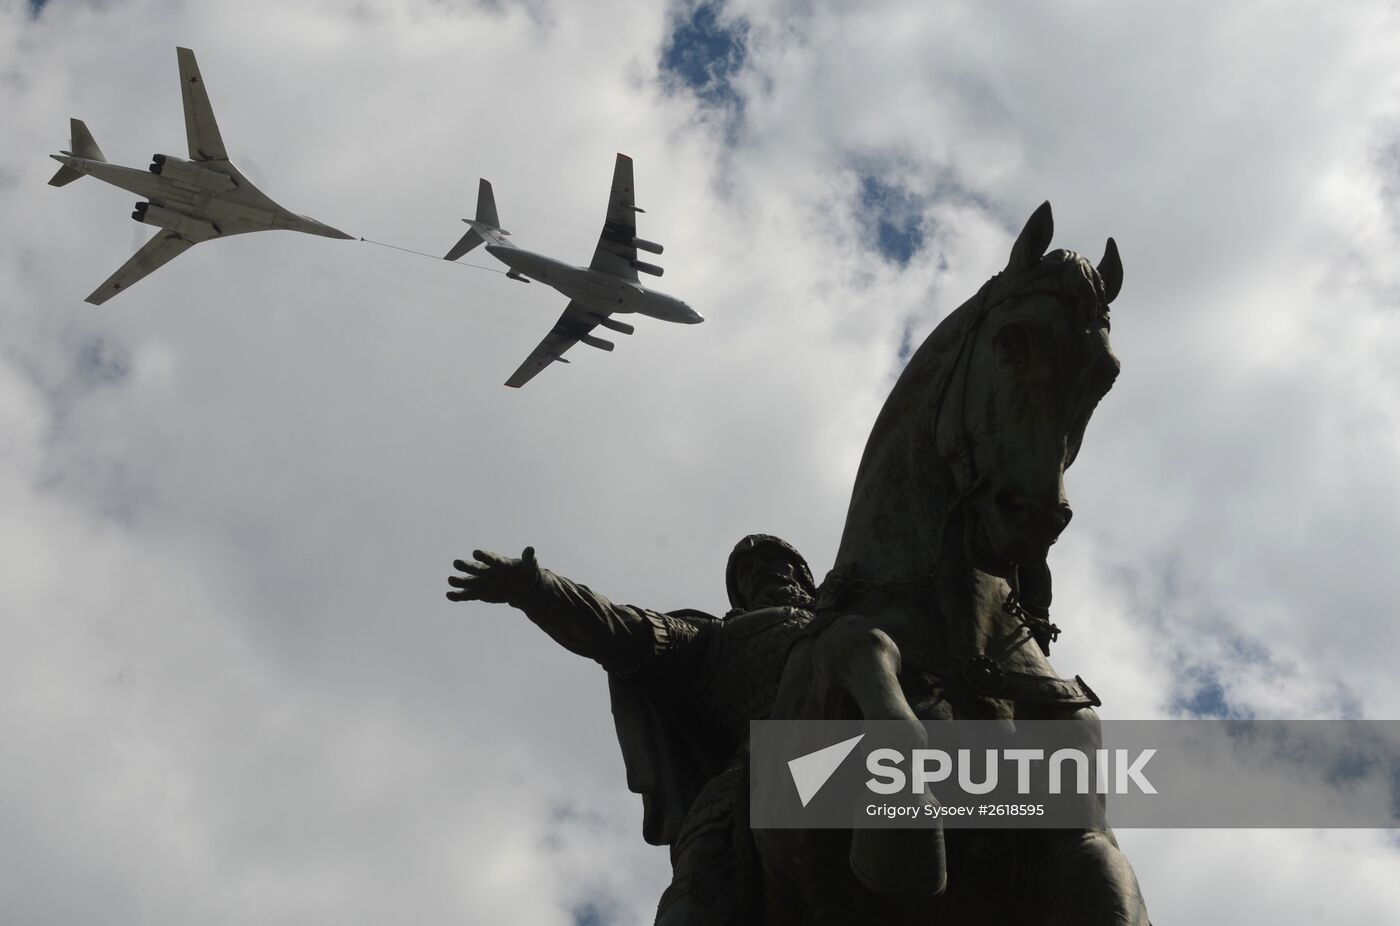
column 623, row 639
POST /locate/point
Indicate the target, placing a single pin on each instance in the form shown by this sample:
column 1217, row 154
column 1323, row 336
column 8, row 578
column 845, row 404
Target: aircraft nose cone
column 694, row 318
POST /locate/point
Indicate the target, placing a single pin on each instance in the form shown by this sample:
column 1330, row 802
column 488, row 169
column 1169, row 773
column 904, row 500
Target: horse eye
column 1013, row 345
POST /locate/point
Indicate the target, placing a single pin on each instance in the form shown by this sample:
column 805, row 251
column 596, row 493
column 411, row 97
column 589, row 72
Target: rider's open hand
column 495, row 578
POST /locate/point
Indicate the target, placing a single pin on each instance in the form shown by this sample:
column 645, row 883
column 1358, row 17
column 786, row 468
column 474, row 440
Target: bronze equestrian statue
column 937, row 608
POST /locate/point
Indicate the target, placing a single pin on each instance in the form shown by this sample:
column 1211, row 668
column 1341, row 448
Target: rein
column 985, row 674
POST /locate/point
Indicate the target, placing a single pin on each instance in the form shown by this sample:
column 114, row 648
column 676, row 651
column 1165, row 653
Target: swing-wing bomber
column 188, row 200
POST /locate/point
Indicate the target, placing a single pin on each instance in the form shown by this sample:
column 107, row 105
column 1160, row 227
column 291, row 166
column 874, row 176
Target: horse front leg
column 1093, row 884
column 856, row 661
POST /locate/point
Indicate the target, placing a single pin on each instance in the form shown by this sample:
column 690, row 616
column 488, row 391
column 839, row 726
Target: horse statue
column 937, row 607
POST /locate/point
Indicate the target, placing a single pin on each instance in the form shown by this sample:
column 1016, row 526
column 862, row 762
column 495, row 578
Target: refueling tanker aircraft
column 189, row 201
column 606, row 286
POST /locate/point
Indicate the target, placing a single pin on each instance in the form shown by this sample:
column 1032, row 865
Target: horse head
column 1032, row 363
column 992, row 408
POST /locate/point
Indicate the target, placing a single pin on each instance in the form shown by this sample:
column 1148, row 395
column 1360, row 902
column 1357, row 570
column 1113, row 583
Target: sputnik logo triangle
column 813, row 770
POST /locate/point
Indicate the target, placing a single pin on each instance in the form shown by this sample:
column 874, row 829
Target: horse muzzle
column 1036, row 521
column 1015, row 528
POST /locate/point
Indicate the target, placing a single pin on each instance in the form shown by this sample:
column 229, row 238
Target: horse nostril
column 1025, row 514
column 1013, row 504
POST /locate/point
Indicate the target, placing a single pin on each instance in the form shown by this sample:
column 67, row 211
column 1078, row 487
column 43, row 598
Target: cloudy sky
column 231, row 689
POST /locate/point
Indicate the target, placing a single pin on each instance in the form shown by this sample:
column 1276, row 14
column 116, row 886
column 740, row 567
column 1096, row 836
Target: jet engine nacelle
column 615, row 325
column 187, row 226
column 599, row 343
column 173, row 168
column 644, row 267
column 641, row 244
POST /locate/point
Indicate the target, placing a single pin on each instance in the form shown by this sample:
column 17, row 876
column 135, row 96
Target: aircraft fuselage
column 595, row 289
column 224, row 201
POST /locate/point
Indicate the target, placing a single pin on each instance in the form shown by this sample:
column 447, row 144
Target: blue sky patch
column 101, row 362
column 906, row 342
column 1349, row 766
column 588, row 914
column 1201, row 695
column 893, row 217
column 36, row 7
column 703, row 54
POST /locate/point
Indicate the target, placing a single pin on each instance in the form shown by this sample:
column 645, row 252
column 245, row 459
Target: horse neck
column 904, row 532
column 903, row 492
column 900, row 505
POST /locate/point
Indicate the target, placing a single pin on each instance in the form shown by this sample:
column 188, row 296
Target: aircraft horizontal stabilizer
column 468, row 241
column 64, row 176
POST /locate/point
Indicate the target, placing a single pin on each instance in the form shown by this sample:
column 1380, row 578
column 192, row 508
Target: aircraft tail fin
column 83, row 147
column 485, row 227
column 486, row 205
column 83, row 144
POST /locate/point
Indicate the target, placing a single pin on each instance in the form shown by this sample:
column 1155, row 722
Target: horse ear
column 1034, row 239
column 1111, row 271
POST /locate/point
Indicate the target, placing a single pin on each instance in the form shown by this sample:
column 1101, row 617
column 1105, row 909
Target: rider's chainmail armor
column 738, row 677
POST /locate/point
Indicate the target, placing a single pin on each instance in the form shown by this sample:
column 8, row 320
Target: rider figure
column 684, row 686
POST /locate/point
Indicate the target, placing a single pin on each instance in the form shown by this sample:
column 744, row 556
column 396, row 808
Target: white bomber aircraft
column 606, row 286
column 190, row 201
